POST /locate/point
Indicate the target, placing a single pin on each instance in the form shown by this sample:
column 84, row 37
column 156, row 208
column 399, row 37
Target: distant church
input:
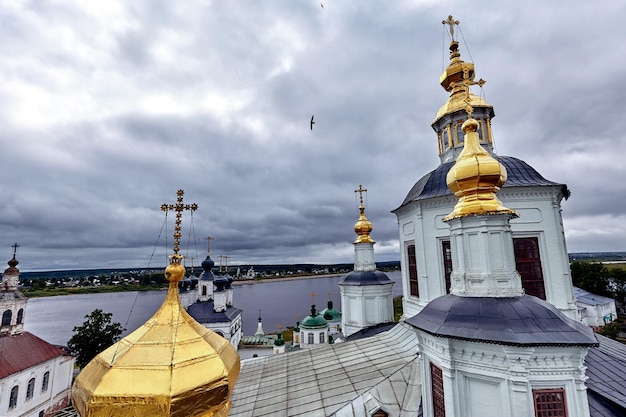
column 35, row 376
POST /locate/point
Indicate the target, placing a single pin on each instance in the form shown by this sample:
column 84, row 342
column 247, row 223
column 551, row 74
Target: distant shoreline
column 281, row 279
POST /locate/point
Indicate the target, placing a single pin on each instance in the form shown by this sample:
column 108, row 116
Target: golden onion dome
column 475, row 178
column 170, row 366
column 363, row 227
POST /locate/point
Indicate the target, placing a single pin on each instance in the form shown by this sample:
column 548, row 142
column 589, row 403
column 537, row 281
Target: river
column 281, row 303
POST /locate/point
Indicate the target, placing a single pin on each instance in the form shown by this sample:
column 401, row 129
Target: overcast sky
column 109, row 107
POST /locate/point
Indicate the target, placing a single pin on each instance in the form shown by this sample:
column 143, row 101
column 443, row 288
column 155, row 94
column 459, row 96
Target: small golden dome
column 170, row 366
column 475, row 178
column 363, row 227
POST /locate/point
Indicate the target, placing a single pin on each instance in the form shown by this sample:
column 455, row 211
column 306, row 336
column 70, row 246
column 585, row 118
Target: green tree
column 611, row 330
column 96, row 334
column 592, row 277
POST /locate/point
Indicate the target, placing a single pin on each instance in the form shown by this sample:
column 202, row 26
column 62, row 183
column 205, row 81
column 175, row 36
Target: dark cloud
column 107, row 110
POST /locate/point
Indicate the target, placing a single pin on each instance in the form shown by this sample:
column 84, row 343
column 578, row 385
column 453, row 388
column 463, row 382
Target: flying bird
column 312, row 122
column 322, row 5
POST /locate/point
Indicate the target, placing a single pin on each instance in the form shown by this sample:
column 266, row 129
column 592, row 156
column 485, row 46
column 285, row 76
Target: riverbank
column 52, row 292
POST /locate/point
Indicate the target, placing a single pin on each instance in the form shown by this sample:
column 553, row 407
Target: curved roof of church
column 375, row 277
column 202, row 312
column 516, row 321
column 520, row 174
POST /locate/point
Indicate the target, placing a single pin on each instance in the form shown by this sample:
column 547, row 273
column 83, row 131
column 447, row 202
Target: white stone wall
column 55, row 396
column 540, row 216
column 365, row 305
column 490, row 380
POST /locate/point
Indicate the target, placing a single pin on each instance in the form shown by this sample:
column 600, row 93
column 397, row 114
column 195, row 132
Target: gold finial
column 208, row 249
column 475, row 178
column 451, row 22
column 363, row 226
column 313, row 297
column 179, row 207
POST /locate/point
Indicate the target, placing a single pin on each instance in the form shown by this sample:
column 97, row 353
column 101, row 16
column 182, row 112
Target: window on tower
column 436, row 379
column 6, row 318
column 528, row 264
column 412, row 261
column 311, row 338
column 459, row 134
column 20, row 316
column 550, row 402
column 446, row 256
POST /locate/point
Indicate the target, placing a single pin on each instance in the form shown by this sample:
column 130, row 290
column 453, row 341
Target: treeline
column 600, row 279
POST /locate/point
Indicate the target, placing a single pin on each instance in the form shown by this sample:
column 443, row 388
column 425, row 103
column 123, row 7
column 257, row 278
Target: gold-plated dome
column 475, row 178
column 170, row 366
column 363, row 226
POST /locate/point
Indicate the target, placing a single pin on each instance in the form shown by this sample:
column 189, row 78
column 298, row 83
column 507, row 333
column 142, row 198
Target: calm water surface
column 281, row 303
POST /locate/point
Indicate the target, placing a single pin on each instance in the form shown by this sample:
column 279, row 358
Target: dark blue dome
column 520, row 174
column 517, row 321
column 365, row 278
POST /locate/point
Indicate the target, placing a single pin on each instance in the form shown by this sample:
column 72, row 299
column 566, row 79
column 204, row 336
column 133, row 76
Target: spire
column 475, row 178
column 363, row 226
column 171, row 365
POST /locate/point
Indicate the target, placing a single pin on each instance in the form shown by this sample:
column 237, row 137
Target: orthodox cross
column 179, row 207
column 208, row 239
column 15, row 246
column 313, row 296
column 361, row 190
column 466, row 83
column 451, row 22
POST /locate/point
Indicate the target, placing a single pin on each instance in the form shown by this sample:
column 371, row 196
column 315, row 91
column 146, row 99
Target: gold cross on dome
column 313, row 296
column 451, row 22
column 361, row 190
column 179, row 207
column 466, row 83
column 208, row 249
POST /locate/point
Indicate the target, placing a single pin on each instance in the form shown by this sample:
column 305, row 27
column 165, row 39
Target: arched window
column 412, row 261
column 6, row 318
column 46, row 379
column 30, row 389
column 13, row 398
column 20, row 316
column 460, row 136
column 302, row 336
column 322, row 337
column 204, row 290
column 311, row 338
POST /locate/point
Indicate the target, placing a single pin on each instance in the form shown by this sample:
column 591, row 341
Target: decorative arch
column 20, row 316
column 6, row 317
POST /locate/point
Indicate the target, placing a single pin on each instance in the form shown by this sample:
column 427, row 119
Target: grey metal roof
column 590, row 298
column 345, row 379
column 366, row 278
column 520, row 174
column 517, row 321
column 606, row 369
column 203, row 312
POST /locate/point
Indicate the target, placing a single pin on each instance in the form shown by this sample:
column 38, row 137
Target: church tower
column 12, row 301
column 540, row 253
column 486, row 348
column 366, row 293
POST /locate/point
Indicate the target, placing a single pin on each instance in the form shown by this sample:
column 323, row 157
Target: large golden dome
column 475, row 178
column 170, row 366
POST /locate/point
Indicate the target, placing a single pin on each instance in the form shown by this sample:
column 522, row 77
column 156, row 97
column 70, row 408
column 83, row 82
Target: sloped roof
column 606, row 369
column 375, row 277
column 515, row 321
column 342, row 379
column 591, row 298
column 24, row 350
column 520, row 174
column 203, row 312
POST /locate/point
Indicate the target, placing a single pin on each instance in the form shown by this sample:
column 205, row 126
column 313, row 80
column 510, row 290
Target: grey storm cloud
column 108, row 108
